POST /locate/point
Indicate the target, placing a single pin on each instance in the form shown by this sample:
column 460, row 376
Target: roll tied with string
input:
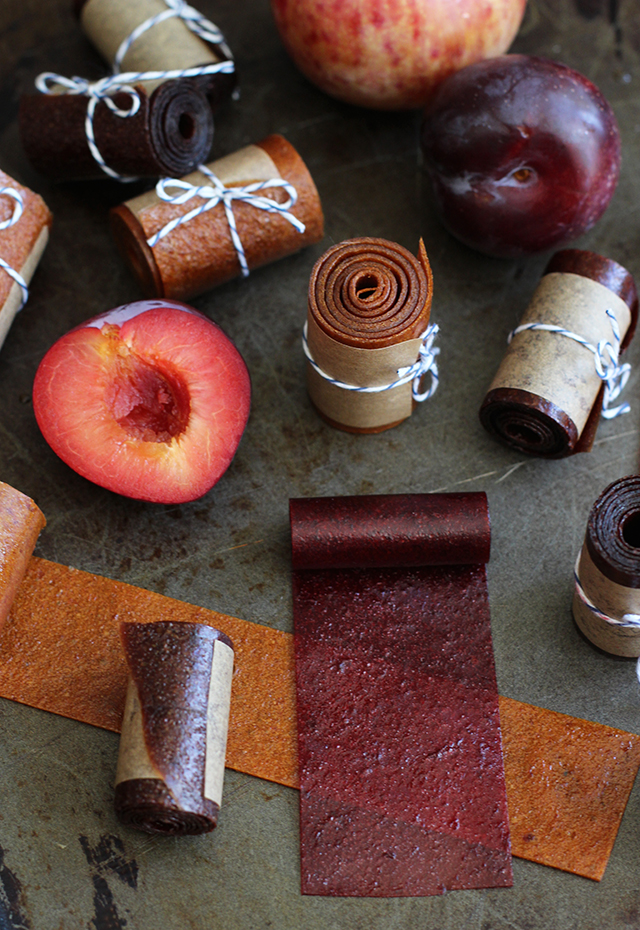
column 247, row 209
column 174, row 731
column 25, row 221
column 73, row 129
column 368, row 340
column 606, row 601
column 562, row 370
column 158, row 35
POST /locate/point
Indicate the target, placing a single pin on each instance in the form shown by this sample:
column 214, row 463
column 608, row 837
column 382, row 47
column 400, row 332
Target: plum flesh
column 523, row 154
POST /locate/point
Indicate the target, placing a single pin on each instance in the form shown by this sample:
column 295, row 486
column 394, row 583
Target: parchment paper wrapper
column 609, row 569
column 21, row 246
column 546, row 397
column 170, row 134
column 20, row 523
column 166, row 46
column 200, row 253
column 369, row 302
column 174, row 731
column 402, row 787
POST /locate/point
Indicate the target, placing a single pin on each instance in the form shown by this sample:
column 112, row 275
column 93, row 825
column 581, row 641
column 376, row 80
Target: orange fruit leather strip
column 568, row 780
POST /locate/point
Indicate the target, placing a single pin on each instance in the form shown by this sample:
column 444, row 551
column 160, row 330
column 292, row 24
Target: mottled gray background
column 66, row 863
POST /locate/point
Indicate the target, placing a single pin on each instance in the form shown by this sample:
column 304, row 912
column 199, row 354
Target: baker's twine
column 216, row 193
column 16, row 213
column 194, row 20
column 425, row 364
column 608, row 368
column 52, row 84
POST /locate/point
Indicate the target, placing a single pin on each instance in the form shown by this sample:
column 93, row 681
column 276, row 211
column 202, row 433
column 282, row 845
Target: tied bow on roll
column 217, row 193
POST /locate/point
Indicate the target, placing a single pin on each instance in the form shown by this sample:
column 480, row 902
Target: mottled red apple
column 149, row 400
column 391, row 54
column 523, row 153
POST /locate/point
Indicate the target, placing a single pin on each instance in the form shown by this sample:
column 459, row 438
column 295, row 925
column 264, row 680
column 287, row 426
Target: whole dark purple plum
column 523, row 153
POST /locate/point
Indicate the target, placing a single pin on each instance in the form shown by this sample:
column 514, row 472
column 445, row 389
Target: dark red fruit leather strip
column 402, row 780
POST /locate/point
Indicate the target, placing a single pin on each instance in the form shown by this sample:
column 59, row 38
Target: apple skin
column 391, row 54
column 523, row 154
column 149, row 400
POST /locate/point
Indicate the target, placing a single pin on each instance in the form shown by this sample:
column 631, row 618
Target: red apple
column 391, row 54
column 149, row 400
column 523, row 153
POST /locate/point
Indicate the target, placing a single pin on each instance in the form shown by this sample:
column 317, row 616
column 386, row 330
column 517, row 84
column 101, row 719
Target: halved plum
column 149, row 400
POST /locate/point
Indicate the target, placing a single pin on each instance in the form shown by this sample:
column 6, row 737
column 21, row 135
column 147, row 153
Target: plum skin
column 523, row 154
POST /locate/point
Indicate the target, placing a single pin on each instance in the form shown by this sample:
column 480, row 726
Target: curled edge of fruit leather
column 20, row 523
column 526, row 419
column 390, row 530
column 606, row 600
column 173, row 740
column 150, row 143
column 21, row 246
column 100, row 22
column 369, row 304
column 200, row 254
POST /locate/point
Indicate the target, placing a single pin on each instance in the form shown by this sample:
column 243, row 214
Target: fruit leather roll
column 171, row 132
column 22, row 243
column 166, row 45
column 402, row 787
column 174, row 731
column 201, row 252
column 20, row 523
column 547, row 396
column 606, row 601
column 369, row 306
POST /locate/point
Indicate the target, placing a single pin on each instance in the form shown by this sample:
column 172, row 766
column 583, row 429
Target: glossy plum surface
column 523, row 154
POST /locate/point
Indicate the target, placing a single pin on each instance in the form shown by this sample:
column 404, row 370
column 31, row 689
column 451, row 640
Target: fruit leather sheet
column 567, row 780
column 402, row 788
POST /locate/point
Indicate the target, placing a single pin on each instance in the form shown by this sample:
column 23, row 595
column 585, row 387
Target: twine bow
column 50, row 83
column 216, row 193
column 194, row 20
column 606, row 355
column 425, row 364
column 16, row 213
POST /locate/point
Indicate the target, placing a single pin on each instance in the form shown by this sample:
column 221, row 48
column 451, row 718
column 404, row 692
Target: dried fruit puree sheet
column 567, row 780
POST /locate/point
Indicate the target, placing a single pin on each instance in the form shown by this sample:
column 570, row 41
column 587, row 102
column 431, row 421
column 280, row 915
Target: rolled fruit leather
column 200, row 253
column 170, row 134
column 606, row 600
column 174, row 731
column 167, row 45
column 20, row 523
column 21, row 245
column 546, row 397
column 369, row 304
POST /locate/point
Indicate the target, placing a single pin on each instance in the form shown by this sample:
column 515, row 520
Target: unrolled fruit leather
column 60, row 652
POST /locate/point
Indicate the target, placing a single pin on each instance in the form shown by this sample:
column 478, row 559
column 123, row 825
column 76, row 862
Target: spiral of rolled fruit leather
column 167, row 45
column 608, row 570
column 369, row 304
column 546, row 397
column 170, row 134
column 174, row 731
column 200, row 254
